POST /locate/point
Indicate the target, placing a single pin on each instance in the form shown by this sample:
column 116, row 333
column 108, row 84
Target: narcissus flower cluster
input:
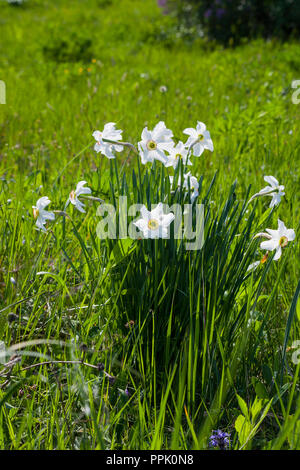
column 160, row 144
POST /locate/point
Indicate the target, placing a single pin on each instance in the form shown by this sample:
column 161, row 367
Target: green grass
column 70, row 67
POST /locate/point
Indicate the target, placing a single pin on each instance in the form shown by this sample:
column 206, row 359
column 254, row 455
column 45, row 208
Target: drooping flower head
column 154, row 143
column 177, row 153
column 110, row 133
column 40, row 214
column 73, row 197
column 154, row 224
column 275, row 190
column 219, row 439
column 199, row 139
column 277, row 239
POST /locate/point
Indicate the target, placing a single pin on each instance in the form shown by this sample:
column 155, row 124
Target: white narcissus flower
column 73, row 198
column 110, row 133
column 154, row 224
column 199, row 139
column 277, row 239
column 179, row 152
column 40, row 214
column 154, row 143
column 275, row 190
column 188, row 179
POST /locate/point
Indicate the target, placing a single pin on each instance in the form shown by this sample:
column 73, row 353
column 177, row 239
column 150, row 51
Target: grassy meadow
column 144, row 345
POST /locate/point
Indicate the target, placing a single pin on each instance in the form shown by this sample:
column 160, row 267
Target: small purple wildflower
column 219, row 439
column 162, row 3
column 220, row 12
column 208, row 13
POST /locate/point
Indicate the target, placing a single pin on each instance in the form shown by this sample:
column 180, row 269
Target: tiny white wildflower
column 199, row 139
column 110, row 133
column 154, row 224
column 40, row 214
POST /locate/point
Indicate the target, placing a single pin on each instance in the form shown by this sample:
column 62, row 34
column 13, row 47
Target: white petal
column 191, row 132
column 208, row 142
column 159, row 155
column 200, row 128
column 194, row 196
column 274, row 233
column 107, row 151
column 97, row 135
column 42, row 203
column 40, row 223
column 145, row 155
column 277, row 254
column 265, row 190
column 271, row 180
column 168, row 146
column 194, row 183
column 157, row 212
column 161, row 133
column 189, row 142
column 269, row 245
column 160, row 127
column 146, row 135
column 98, row 147
column 167, row 219
column 152, row 233
column 141, row 224
column 281, row 227
column 80, row 189
column 180, row 148
column 276, row 198
column 145, row 213
column 117, row 148
column 163, row 232
column 290, row 234
column 111, row 133
column 172, row 162
column 48, row 215
column 198, row 149
column 79, row 206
